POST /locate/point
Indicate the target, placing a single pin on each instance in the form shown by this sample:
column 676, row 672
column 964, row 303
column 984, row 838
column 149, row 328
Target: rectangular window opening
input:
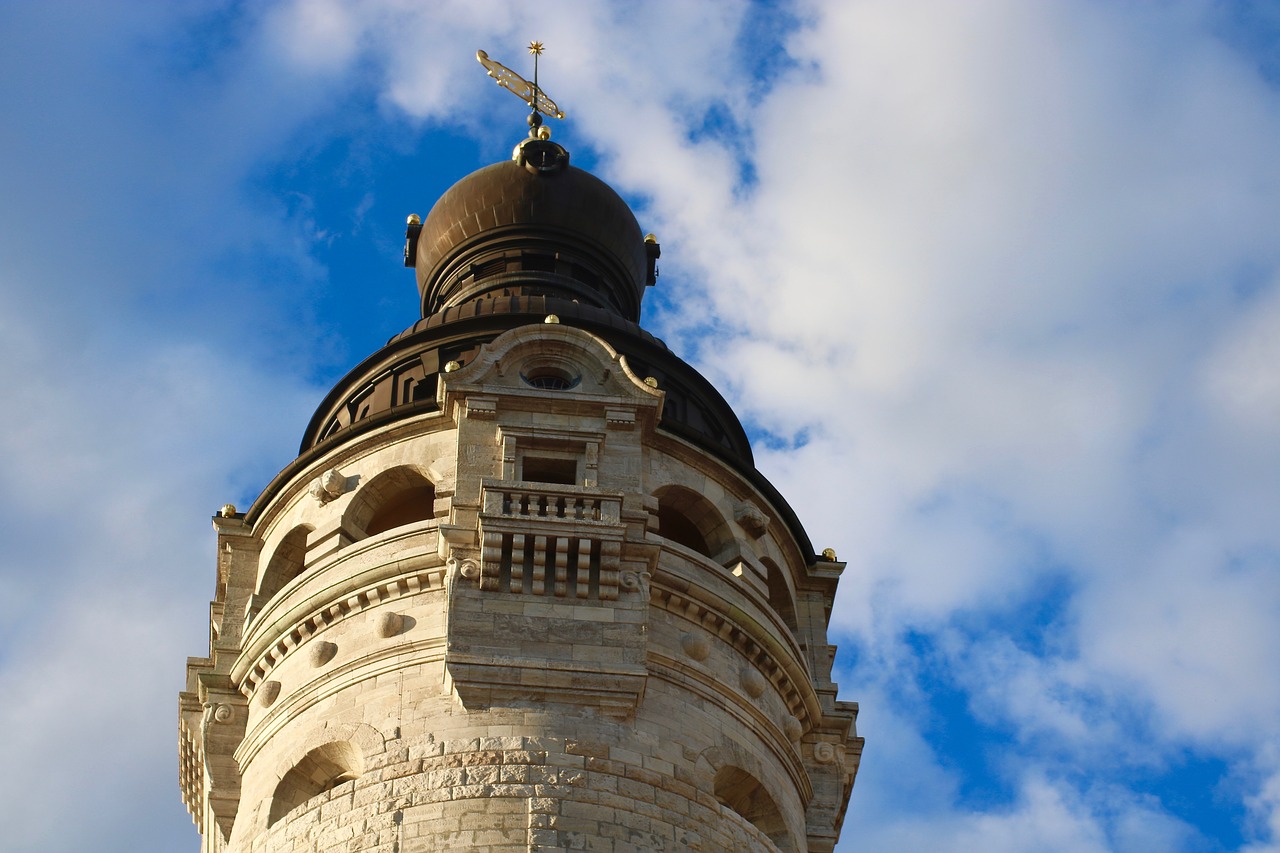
column 545, row 469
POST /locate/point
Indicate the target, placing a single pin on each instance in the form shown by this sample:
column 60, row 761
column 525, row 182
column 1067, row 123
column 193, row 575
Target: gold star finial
column 535, row 47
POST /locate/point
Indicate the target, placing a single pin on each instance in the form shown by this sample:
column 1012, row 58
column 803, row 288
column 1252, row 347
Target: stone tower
column 523, row 587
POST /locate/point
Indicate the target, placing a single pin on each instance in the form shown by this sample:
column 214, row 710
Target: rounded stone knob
column 753, row 682
column 268, row 692
column 322, row 652
column 389, row 624
column 792, row 728
column 696, row 646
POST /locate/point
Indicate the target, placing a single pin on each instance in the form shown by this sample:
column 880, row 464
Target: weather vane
column 530, row 93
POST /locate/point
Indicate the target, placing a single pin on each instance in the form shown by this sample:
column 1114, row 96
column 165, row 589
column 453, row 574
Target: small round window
column 550, row 379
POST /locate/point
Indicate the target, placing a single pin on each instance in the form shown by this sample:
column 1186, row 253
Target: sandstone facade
column 530, row 611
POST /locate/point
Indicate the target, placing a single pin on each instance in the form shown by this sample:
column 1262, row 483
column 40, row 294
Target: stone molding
column 386, row 660
column 783, row 672
column 707, row 686
column 329, row 612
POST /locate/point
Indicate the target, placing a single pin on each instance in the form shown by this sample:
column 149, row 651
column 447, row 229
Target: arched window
column 392, row 499
column 737, row 789
column 416, row 503
column 322, row 769
column 687, row 518
column 286, row 563
column 780, row 595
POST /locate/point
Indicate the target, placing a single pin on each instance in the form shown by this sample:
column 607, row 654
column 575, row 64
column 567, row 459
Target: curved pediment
column 550, row 361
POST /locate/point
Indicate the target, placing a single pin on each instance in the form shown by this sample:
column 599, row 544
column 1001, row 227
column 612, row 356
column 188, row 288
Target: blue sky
column 996, row 286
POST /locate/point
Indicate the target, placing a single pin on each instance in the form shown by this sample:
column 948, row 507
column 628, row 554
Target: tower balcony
column 550, row 539
column 546, row 622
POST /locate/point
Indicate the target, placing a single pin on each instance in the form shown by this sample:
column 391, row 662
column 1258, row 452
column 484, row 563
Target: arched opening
column 780, row 595
column 413, row 504
column 676, row 526
column 287, row 562
column 392, row 499
column 689, row 519
column 738, row 790
column 320, row 770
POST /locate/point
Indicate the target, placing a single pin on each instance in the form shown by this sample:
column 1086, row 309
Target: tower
column 523, row 587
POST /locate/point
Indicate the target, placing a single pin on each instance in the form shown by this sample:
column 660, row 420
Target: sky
column 995, row 287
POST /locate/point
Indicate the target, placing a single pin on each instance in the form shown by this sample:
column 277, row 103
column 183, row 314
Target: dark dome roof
column 549, row 229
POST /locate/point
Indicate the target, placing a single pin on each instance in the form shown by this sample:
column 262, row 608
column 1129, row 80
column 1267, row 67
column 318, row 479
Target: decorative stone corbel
column 837, row 754
column 825, row 752
column 636, row 582
column 328, row 486
column 221, row 728
column 213, row 712
column 750, row 518
column 465, row 569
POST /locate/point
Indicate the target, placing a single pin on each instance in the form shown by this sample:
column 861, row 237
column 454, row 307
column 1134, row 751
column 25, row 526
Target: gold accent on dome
column 518, row 86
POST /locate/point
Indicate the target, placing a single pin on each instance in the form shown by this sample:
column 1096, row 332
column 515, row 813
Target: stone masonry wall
column 517, row 666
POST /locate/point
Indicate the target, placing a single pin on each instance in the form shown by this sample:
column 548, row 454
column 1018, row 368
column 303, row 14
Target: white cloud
column 118, row 460
column 1003, row 284
column 1011, row 264
column 135, row 375
column 319, row 36
column 992, row 272
column 1265, row 809
column 1240, row 379
column 909, row 798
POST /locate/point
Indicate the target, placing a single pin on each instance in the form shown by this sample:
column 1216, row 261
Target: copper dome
column 532, row 226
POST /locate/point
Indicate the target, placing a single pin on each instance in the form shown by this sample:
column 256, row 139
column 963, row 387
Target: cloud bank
column 996, row 286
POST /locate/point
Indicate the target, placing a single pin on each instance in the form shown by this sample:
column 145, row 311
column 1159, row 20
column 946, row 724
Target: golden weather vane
column 530, row 93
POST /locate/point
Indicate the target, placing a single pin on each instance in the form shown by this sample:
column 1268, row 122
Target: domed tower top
column 532, row 226
column 522, row 536
column 528, row 240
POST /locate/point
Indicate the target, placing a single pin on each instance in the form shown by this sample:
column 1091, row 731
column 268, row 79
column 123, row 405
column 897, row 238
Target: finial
column 530, row 93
